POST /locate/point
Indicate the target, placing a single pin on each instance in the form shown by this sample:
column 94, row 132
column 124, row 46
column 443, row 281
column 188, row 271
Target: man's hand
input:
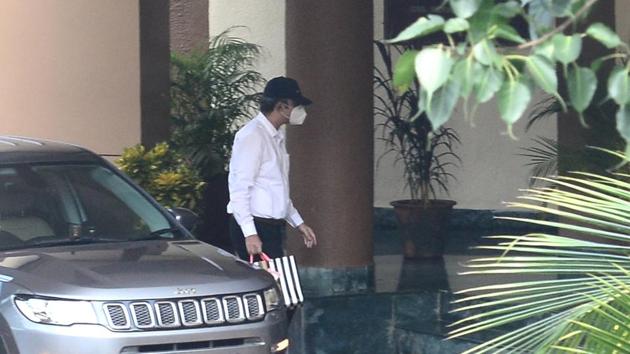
column 309, row 236
column 253, row 244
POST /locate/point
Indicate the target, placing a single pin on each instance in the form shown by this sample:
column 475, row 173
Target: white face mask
column 298, row 115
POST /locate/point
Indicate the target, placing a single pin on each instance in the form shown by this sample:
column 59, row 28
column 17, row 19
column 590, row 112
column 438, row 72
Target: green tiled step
column 372, row 323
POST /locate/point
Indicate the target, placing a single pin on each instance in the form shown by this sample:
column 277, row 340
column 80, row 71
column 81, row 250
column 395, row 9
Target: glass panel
column 41, row 204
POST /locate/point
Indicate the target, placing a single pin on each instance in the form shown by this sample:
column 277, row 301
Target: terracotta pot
column 423, row 228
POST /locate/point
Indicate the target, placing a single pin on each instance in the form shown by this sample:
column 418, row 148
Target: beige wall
column 264, row 22
column 491, row 170
column 622, row 8
column 70, row 70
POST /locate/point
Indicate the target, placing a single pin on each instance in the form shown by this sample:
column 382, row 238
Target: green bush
column 164, row 174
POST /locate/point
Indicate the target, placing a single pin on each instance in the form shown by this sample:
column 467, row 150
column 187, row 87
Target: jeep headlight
column 56, row 312
column 272, row 299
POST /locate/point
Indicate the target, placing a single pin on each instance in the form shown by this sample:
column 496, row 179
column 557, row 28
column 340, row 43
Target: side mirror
column 186, row 217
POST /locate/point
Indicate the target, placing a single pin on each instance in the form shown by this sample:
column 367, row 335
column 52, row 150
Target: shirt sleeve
column 294, row 219
column 244, row 166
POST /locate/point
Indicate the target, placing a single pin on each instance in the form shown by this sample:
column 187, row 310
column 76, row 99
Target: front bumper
column 26, row 337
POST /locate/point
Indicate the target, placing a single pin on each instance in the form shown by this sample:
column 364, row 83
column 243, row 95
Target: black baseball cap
column 284, row 87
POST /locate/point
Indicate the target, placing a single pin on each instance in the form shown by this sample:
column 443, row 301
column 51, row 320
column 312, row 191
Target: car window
column 44, row 203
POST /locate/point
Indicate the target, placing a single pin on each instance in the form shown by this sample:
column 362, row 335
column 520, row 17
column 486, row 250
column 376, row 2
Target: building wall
column 622, row 24
column 491, row 171
column 264, row 24
column 71, row 71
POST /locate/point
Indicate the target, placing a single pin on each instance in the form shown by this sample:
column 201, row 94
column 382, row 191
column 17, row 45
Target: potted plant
column 427, row 155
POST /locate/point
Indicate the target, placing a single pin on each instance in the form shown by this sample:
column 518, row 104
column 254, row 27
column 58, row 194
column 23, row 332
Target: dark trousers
column 271, row 235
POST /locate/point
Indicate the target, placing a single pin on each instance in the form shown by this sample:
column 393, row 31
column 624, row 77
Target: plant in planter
column 427, row 155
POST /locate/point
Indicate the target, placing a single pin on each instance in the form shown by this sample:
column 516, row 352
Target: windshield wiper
column 70, row 241
column 157, row 234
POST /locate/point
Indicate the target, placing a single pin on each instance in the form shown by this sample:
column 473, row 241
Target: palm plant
column 547, row 156
column 427, row 154
column 212, row 93
column 586, row 309
column 543, row 158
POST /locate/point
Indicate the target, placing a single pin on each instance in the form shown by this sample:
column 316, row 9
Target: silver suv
column 89, row 263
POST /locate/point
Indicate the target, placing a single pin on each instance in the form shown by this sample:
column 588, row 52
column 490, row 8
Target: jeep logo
column 186, row 291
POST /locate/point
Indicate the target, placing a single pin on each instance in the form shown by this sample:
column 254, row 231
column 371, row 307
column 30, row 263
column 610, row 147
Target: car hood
column 131, row 270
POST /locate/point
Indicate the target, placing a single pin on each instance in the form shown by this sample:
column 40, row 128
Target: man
column 258, row 181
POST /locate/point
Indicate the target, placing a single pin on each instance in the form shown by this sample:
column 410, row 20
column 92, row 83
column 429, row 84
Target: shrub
column 164, row 174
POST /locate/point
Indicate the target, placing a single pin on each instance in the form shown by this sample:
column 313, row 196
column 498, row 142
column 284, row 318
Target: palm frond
column 543, row 158
column 584, row 310
column 212, row 93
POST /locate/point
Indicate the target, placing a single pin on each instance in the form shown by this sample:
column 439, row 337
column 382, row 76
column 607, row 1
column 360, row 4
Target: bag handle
column 263, row 256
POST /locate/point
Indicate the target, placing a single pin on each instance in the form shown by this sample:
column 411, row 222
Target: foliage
column 426, row 154
column 164, row 174
column 543, row 157
column 212, row 92
column 547, row 156
column 486, row 56
column 585, row 309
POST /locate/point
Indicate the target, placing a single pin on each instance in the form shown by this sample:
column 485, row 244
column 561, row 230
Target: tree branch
column 560, row 28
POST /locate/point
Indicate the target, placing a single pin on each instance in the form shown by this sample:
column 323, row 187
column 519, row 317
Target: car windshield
column 48, row 205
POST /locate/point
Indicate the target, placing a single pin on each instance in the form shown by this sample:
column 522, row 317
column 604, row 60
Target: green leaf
column 541, row 20
column 561, row 8
column 485, row 52
column 514, row 96
column 443, row 103
column 465, row 72
column 507, row 9
column 422, row 27
column 567, row 48
column 597, row 64
column 404, row 70
column 461, row 48
column 508, row 32
column 433, row 66
column 489, row 83
column 422, row 104
column 481, row 21
column 543, row 72
column 464, row 8
column 456, row 25
column 623, row 121
column 604, row 35
column 582, row 84
column 619, row 86
column 545, row 49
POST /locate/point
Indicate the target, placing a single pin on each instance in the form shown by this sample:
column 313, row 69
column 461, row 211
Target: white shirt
column 259, row 176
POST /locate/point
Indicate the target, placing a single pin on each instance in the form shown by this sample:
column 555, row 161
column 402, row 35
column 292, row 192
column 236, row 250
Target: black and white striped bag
column 284, row 270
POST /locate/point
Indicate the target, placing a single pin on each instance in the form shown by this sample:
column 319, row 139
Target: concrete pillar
column 154, row 71
column 329, row 52
column 188, row 25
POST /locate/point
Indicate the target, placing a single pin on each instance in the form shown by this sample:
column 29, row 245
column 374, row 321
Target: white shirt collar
column 275, row 133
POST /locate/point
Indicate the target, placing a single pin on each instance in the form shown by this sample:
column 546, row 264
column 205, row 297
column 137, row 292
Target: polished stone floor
column 407, row 310
column 393, row 273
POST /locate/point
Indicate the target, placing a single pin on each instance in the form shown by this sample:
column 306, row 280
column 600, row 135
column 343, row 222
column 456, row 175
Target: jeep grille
column 182, row 313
